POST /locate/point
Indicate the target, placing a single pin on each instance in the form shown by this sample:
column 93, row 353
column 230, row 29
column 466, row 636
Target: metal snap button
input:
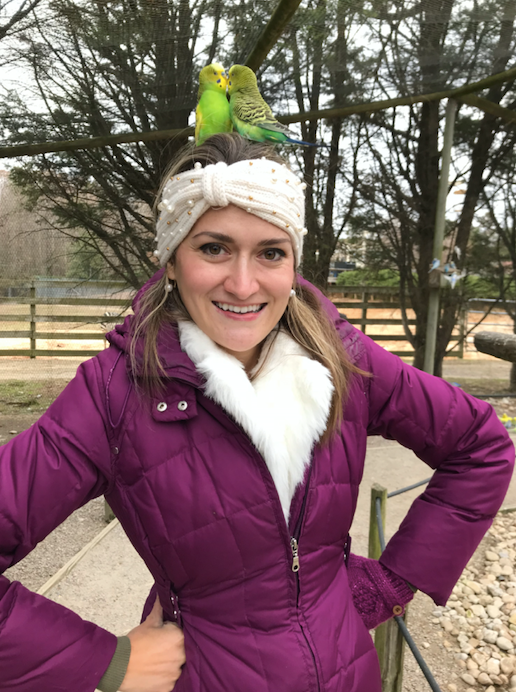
column 161, row 406
column 182, row 405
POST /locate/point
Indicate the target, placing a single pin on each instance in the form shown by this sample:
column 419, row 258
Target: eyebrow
column 223, row 238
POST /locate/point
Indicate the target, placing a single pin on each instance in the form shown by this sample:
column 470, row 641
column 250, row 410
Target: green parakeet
column 251, row 116
column 212, row 112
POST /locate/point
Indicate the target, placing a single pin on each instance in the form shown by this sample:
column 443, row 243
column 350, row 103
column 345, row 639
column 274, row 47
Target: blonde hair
column 304, row 319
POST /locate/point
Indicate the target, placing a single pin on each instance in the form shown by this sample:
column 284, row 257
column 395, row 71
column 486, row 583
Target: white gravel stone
column 474, row 586
column 492, row 557
column 504, row 644
column 512, row 682
column 507, row 665
column 470, row 680
column 484, row 679
column 479, row 610
column 480, row 659
column 446, row 624
column 493, row 612
column 493, row 667
column 490, row 636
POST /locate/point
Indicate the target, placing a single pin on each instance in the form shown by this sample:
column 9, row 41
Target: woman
column 227, row 427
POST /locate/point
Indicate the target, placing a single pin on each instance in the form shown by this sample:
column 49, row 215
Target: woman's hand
column 157, row 654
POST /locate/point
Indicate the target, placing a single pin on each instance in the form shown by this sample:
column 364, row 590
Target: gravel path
column 479, row 621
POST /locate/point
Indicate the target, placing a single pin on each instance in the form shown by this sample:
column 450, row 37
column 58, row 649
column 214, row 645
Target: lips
column 240, row 309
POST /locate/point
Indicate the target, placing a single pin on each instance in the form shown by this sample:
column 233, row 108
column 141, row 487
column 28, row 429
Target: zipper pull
column 295, row 556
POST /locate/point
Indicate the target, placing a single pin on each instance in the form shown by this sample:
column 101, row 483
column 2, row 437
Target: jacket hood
column 168, row 346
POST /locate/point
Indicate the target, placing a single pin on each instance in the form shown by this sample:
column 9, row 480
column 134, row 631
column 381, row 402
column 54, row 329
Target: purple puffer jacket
column 199, row 504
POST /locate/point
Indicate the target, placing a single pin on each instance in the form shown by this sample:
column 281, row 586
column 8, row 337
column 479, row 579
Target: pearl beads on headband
column 259, row 186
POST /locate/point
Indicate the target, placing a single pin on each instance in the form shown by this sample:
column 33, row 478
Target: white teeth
column 234, row 308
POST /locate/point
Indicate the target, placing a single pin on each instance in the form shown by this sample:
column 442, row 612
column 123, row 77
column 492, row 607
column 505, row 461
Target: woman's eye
column 212, row 249
column 273, row 254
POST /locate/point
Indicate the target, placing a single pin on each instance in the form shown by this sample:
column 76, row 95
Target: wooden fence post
column 379, row 491
column 33, row 320
column 388, row 640
column 463, row 318
column 365, row 300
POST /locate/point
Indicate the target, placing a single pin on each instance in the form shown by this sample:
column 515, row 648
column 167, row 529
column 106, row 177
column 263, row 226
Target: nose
column 241, row 280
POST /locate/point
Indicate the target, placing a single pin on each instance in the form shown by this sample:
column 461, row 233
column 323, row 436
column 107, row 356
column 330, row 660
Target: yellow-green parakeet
column 212, row 112
column 251, row 116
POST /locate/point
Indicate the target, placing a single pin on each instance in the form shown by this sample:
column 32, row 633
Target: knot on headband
column 261, row 187
column 213, row 185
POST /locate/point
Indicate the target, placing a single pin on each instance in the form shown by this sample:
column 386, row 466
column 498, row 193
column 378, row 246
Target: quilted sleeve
column 473, row 457
column 47, row 472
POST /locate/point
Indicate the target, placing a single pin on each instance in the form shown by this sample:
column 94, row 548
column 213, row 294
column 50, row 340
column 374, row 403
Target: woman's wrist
column 115, row 673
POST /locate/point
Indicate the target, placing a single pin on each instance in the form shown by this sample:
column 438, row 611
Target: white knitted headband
column 260, row 186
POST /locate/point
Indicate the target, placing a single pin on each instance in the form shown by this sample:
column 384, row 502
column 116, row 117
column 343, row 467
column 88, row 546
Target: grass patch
column 484, row 386
column 24, row 396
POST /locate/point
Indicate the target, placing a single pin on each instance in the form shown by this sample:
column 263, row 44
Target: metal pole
column 440, row 220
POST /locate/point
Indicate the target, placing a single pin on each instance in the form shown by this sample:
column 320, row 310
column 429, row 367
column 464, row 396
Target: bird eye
column 214, row 72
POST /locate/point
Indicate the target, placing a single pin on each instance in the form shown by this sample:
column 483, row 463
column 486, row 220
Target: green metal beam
column 432, row 323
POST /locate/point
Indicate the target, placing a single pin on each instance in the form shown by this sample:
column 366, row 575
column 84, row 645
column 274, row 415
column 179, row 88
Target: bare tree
column 428, row 46
column 18, row 20
column 102, row 68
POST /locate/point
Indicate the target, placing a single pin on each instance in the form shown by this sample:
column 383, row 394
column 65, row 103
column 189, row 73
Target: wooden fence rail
column 367, row 298
column 32, row 334
column 347, row 298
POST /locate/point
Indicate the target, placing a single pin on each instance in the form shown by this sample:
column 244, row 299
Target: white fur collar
column 284, row 410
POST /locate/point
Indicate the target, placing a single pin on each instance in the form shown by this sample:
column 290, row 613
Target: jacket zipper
column 294, row 546
column 294, row 541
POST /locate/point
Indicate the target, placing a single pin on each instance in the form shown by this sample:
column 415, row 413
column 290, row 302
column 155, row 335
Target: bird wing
column 255, row 111
column 198, row 122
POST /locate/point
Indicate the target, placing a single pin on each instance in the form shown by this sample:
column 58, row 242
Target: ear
column 171, row 272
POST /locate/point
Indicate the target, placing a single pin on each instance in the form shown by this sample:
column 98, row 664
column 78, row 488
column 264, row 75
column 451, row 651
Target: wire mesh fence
column 97, row 98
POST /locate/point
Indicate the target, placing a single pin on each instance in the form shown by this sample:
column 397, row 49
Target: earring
column 170, row 286
column 292, row 292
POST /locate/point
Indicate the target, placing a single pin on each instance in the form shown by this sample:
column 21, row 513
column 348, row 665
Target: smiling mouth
column 242, row 310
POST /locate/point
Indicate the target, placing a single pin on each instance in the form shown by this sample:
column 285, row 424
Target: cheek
column 195, row 279
column 284, row 283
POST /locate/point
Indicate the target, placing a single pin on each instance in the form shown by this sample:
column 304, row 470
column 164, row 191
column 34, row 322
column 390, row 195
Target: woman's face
column 234, row 272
